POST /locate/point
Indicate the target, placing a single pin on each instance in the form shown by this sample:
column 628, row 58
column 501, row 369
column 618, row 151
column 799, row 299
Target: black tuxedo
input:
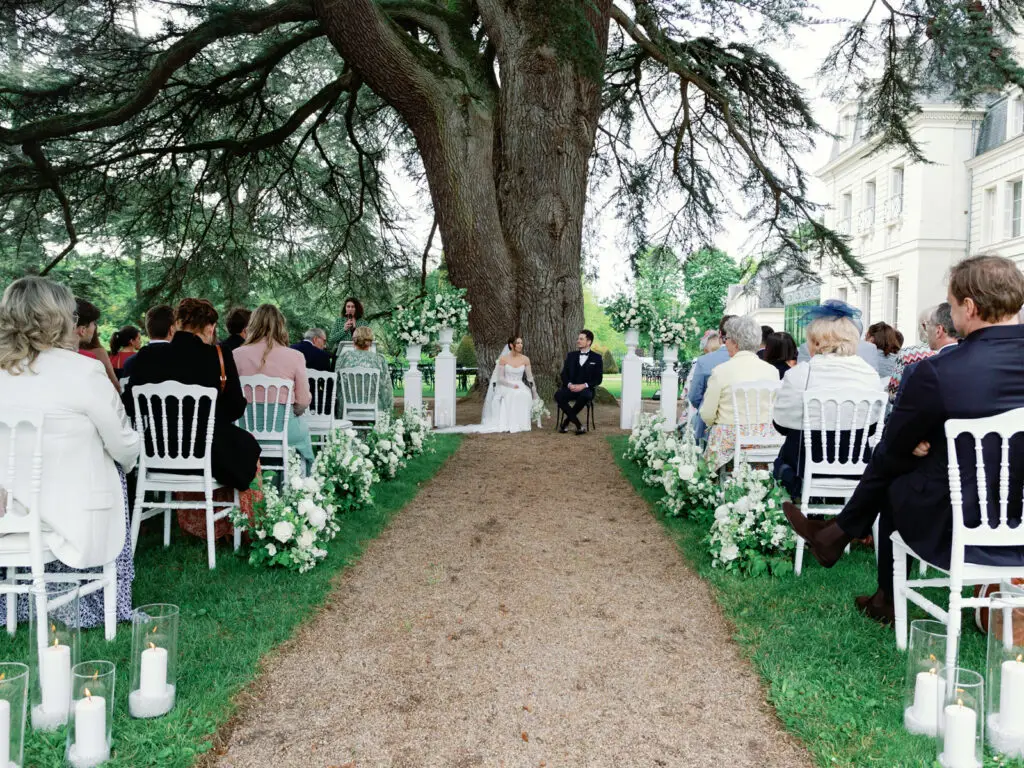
column 316, row 359
column 590, row 373
column 188, row 360
column 983, row 376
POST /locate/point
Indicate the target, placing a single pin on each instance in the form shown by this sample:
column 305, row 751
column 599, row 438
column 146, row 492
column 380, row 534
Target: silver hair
column 315, row 333
column 36, row 314
column 745, row 332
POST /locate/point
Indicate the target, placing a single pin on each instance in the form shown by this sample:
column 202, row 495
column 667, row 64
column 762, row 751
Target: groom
column 581, row 375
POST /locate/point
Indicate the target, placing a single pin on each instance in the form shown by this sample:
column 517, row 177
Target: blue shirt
column 701, row 373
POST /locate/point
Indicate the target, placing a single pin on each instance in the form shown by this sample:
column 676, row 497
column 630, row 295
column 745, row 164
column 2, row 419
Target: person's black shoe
column 564, row 428
column 877, row 607
column 581, row 430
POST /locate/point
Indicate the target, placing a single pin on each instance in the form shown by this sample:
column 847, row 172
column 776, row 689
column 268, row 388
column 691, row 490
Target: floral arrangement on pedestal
column 626, row 312
column 448, row 309
column 290, row 526
column 413, row 324
column 749, row 534
column 345, row 473
column 674, row 331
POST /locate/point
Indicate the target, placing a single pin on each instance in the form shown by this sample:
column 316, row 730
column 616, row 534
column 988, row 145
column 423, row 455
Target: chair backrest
column 989, row 490
column 883, row 382
column 175, row 424
column 753, row 404
column 123, row 382
column 359, row 387
column 323, row 386
column 21, row 476
column 844, row 418
column 270, row 405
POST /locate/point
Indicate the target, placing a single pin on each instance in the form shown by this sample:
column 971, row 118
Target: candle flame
column 1020, row 657
column 3, row 675
column 56, row 642
column 151, row 645
column 154, row 629
column 960, row 702
column 88, row 695
column 931, row 657
column 53, row 627
column 931, row 671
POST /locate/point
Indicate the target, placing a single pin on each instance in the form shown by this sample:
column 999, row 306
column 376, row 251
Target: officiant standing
column 582, row 373
column 343, row 328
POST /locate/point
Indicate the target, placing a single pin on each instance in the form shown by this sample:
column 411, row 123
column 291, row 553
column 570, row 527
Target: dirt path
column 525, row 610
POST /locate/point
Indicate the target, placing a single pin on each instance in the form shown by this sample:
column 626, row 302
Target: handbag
column 223, row 373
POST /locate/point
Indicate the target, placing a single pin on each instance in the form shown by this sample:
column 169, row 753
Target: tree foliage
column 707, row 275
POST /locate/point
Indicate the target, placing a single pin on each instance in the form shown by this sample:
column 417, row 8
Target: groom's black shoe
column 564, row 426
column 581, row 430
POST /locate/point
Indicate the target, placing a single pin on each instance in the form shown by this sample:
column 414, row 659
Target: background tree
column 707, row 275
column 241, row 128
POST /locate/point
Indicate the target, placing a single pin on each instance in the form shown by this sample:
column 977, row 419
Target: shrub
column 465, row 353
column 610, row 366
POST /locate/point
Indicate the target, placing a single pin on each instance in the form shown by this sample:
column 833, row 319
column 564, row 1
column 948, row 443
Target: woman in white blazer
column 86, row 434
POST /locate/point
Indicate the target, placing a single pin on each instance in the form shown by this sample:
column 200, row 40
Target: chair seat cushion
column 13, row 544
column 173, row 481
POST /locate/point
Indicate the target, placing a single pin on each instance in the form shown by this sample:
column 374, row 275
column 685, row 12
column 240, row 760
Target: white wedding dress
column 508, row 406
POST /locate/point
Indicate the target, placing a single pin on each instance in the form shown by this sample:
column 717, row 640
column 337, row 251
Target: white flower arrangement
column 626, row 312
column 385, row 445
column 448, row 309
column 648, row 429
column 539, row 411
column 749, row 534
column 691, row 485
column 345, row 471
column 412, row 325
column 675, row 331
column 416, row 431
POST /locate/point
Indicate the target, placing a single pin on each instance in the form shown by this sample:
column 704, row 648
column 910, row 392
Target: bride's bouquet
column 539, row 411
column 625, row 312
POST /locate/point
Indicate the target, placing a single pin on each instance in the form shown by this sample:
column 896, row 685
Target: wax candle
column 926, row 699
column 153, row 672
column 5, row 733
column 959, row 745
column 1011, row 696
column 55, row 678
column 91, row 726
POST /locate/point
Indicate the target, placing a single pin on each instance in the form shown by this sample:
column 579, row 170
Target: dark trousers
column 574, row 402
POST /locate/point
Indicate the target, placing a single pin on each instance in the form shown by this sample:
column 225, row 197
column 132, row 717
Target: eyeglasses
column 74, row 317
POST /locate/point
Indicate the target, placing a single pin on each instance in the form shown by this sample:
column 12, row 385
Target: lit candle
column 961, row 729
column 926, row 700
column 153, row 672
column 1011, row 696
column 5, row 733
column 90, row 726
column 55, row 678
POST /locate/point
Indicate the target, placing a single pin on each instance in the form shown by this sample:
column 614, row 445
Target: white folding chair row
column 21, row 529
column 961, row 573
column 359, row 387
column 834, row 413
column 174, row 460
column 269, row 426
column 321, row 416
column 753, row 403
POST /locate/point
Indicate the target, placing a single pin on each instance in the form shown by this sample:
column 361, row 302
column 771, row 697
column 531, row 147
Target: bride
column 510, row 394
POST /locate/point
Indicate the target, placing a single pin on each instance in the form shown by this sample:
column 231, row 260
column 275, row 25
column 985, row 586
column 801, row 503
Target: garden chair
column 753, row 403
column 995, row 528
column 848, row 423
column 269, row 423
column 590, row 422
column 175, row 457
column 321, row 418
column 359, row 387
column 21, row 538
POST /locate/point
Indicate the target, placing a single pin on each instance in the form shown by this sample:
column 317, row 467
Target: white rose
column 311, row 484
column 686, row 472
column 261, row 534
column 722, row 512
column 283, row 531
column 306, row 506
column 306, row 539
column 729, row 553
column 271, row 550
column 742, row 506
column 385, row 445
column 657, row 464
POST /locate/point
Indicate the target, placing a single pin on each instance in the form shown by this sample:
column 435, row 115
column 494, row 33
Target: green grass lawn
column 835, row 678
column 613, row 383
column 230, row 618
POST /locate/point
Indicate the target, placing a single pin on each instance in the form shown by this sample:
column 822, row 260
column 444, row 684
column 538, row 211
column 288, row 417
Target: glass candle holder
column 92, row 712
column 961, row 733
column 1006, row 673
column 154, row 660
column 53, row 651
column 922, row 693
column 14, row 679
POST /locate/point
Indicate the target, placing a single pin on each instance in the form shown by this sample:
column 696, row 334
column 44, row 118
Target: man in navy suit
column 312, row 348
column 582, row 373
column 906, row 484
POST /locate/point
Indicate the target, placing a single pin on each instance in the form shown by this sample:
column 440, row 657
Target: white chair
column 883, row 382
column 123, row 382
column 167, row 452
column 753, row 403
column 833, row 412
column 21, row 536
column 270, row 428
column 1002, row 534
column 359, row 388
column 323, row 385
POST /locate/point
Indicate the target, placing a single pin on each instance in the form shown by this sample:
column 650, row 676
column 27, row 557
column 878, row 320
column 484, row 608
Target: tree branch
column 34, row 152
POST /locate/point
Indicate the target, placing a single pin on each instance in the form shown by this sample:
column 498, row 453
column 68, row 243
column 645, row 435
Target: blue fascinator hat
column 833, row 309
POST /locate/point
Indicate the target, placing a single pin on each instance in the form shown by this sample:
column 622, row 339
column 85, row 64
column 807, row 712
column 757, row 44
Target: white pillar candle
column 926, row 699
column 1011, row 696
column 55, row 678
column 153, row 672
column 958, row 745
column 5, row 733
column 91, row 726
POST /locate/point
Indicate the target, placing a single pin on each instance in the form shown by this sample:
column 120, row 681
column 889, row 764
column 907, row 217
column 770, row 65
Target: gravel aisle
column 525, row 610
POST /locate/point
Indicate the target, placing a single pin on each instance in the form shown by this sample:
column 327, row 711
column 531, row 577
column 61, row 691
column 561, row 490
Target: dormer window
column 1015, row 115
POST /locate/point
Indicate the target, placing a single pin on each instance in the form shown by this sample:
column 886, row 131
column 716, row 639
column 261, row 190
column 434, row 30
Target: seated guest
column 887, row 340
column 866, row 351
column 781, row 352
column 345, row 326
column 766, row 331
column 832, row 338
column 701, row 373
column 742, row 340
column 312, row 348
column 361, row 356
column 709, row 342
column 192, row 358
column 907, row 356
column 713, row 343
column 266, row 353
column 123, row 344
column 236, row 322
column 87, row 444
column 906, row 484
column 87, row 318
column 159, row 328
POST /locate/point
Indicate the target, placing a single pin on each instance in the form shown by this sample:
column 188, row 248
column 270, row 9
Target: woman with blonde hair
column 266, row 353
column 361, row 356
column 88, row 442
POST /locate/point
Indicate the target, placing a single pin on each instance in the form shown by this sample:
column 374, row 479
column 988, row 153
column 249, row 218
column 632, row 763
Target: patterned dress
column 907, row 356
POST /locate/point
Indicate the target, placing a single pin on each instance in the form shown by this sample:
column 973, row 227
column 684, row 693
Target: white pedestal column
column 413, row 379
column 631, row 382
column 444, row 382
column 670, row 387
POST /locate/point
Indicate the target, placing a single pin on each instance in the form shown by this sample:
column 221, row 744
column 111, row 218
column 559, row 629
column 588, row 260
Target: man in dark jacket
column 236, row 323
column 906, row 484
column 312, row 347
column 582, row 373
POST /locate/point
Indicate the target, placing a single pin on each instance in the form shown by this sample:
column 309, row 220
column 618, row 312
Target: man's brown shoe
column 826, row 540
column 877, row 607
